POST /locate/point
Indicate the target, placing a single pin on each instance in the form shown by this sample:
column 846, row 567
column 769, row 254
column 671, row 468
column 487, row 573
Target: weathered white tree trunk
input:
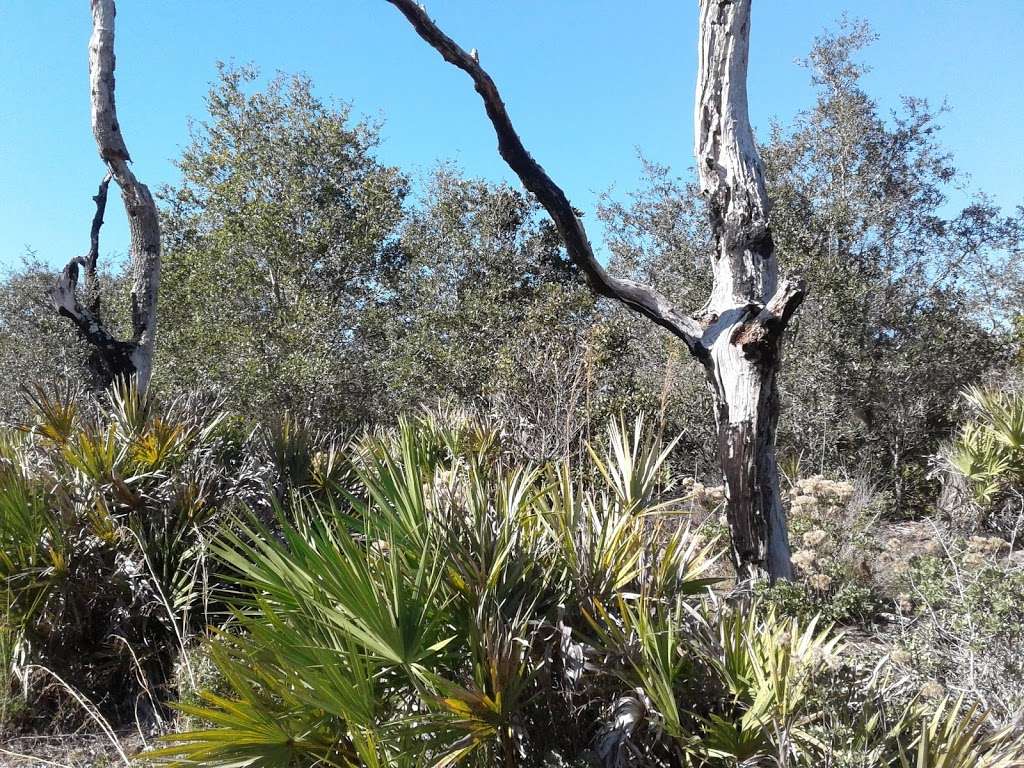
column 747, row 310
column 738, row 333
column 115, row 357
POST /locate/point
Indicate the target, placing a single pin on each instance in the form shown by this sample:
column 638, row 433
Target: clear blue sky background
column 586, row 81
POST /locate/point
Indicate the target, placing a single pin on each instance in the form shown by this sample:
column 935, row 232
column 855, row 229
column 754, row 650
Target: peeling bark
column 737, row 335
column 115, row 357
column 748, row 309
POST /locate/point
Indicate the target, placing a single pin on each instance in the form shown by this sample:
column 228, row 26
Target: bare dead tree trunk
column 748, row 309
column 737, row 335
column 114, row 357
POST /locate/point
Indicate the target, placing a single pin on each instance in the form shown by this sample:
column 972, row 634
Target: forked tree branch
column 765, row 328
column 138, row 202
column 65, row 296
column 641, row 298
column 120, row 357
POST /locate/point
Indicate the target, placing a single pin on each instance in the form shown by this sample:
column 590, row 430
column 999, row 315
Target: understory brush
column 424, row 596
column 959, row 629
column 105, row 516
column 445, row 605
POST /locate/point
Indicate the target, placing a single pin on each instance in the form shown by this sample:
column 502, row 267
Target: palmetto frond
column 989, row 450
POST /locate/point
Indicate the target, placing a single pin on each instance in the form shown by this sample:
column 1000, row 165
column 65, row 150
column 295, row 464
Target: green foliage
column 103, row 517
column 279, row 246
column 300, row 276
column 843, row 602
column 487, row 308
column 448, row 604
column 989, row 449
column 859, row 198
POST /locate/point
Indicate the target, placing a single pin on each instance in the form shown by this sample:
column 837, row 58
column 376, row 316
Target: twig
column 90, row 709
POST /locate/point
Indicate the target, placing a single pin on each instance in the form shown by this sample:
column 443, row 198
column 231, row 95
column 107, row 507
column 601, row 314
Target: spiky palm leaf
column 989, row 450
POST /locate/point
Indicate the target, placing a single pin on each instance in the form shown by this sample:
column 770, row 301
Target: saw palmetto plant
column 435, row 610
column 989, row 450
column 104, row 511
column 447, row 605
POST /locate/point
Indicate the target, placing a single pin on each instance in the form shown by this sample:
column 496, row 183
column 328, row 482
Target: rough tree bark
column 114, row 357
column 737, row 335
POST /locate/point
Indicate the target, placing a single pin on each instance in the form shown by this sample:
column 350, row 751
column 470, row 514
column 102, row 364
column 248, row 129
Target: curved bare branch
column 637, row 297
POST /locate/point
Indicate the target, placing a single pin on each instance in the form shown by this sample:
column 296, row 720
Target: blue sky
column 586, row 81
